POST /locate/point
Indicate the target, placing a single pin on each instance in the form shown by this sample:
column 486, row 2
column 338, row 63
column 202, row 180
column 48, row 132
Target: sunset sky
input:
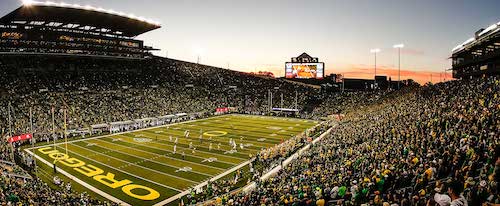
column 264, row 34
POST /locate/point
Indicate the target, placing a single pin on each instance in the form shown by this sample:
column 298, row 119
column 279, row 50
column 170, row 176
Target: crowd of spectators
column 336, row 103
column 99, row 91
column 23, row 191
column 94, row 91
column 17, row 187
column 263, row 162
column 431, row 145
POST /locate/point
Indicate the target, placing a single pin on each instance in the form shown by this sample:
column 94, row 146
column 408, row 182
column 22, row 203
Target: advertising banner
column 20, row 138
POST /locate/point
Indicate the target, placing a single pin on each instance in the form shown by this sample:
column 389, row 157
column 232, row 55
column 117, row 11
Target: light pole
column 445, row 75
column 375, row 51
column 198, row 51
column 399, row 46
column 27, row 2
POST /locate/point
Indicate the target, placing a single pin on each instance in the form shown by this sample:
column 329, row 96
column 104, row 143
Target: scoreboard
column 312, row 70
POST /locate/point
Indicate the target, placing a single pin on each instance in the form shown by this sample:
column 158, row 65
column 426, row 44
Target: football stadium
column 90, row 114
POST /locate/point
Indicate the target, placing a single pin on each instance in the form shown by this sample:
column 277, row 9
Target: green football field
column 141, row 167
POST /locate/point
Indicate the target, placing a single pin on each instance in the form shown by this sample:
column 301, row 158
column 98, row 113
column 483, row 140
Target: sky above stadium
column 261, row 35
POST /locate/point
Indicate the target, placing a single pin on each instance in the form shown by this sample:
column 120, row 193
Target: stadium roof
column 77, row 16
column 482, row 34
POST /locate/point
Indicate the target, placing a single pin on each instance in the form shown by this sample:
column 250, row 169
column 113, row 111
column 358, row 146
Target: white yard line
column 180, row 195
column 165, row 156
column 176, row 197
column 198, row 151
column 166, row 201
column 216, row 138
column 133, row 163
column 90, row 187
column 237, row 136
column 136, row 176
column 148, row 159
column 278, row 118
column 255, row 125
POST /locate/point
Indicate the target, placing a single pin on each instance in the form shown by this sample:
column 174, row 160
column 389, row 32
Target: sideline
column 126, row 132
column 136, row 164
column 176, row 197
column 90, row 187
column 183, row 193
column 249, row 187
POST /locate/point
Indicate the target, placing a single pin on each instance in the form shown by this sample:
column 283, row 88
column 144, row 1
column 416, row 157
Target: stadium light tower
column 27, row 2
column 198, row 51
column 375, row 51
column 399, row 46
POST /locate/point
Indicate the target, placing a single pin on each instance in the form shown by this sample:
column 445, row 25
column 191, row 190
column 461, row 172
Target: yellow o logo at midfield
column 152, row 194
column 215, row 133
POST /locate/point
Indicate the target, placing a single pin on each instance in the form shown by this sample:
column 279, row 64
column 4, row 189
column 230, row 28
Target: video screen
column 304, row 70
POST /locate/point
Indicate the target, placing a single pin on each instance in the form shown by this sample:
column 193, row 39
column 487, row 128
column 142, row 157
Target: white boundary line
column 90, row 187
column 136, row 165
column 173, row 198
column 164, row 202
column 294, row 156
column 253, row 184
column 219, row 138
column 275, row 117
column 168, row 157
column 185, row 148
column 256, row 129
column 127, row 173
column 151, row 159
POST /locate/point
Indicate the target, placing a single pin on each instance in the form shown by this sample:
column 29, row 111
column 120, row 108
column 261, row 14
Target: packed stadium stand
column 454, row 122
column 399, row 149
column 97, row 91
column 50, row 28
column 436, row 144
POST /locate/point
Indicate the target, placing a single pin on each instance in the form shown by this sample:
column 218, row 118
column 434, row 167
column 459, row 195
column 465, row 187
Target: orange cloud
column 421, row 77
column 364, row 71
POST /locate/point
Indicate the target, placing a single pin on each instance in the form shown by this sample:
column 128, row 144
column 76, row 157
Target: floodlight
column 28, row 2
